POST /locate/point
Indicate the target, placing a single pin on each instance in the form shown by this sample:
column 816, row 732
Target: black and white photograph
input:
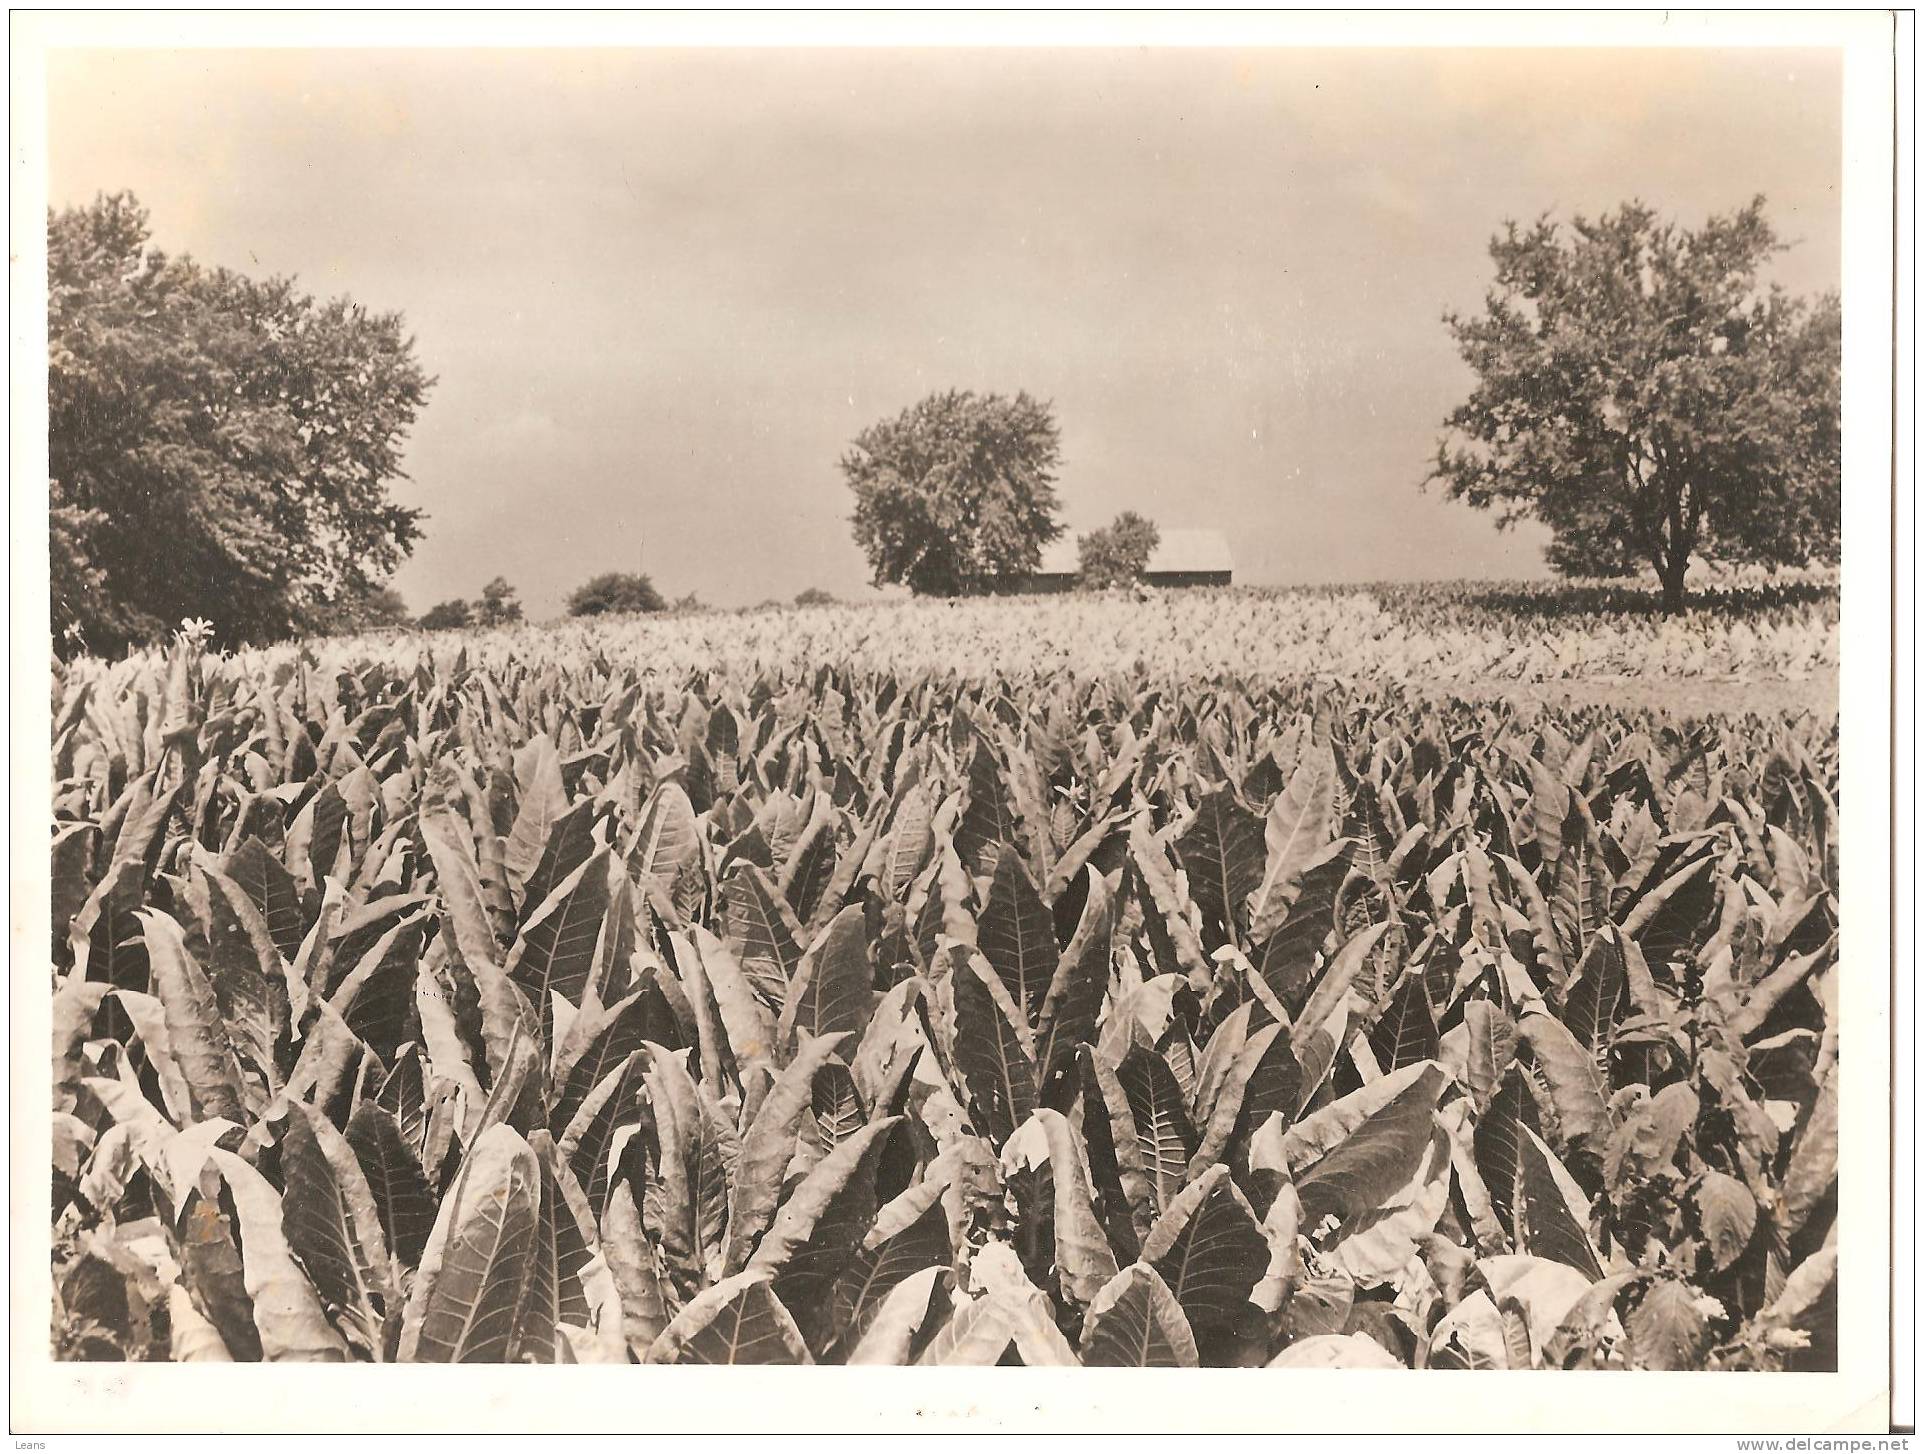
column 1015, row 699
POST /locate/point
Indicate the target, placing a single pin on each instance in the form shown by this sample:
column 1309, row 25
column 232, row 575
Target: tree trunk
column 1671, row 573
column 1673, row 534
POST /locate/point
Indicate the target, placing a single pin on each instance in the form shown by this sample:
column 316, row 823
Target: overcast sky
column 662, row 290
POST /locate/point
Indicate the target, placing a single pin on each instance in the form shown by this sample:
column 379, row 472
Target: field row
column 1443, row 635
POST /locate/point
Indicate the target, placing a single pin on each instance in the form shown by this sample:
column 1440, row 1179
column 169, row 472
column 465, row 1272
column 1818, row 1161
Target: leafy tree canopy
column 1119, row 552
column 219, row 446
column 448, row 616
column 814, row 596
column 956, row 494
column 615, row 591
column 1641, row 392
column 499, row 604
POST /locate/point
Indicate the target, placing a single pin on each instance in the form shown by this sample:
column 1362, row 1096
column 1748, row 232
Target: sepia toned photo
column 957, row 706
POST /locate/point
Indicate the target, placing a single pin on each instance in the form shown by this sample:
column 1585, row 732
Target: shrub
column 615, row 592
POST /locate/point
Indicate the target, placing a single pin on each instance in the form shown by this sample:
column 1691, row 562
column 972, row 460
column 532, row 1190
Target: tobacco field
column 1069, row 982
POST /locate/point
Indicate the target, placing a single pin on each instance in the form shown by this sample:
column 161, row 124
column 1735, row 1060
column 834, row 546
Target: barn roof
column 1178, row 550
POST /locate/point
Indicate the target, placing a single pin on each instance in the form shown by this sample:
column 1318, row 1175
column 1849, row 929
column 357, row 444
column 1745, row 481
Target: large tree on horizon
column 1118, row 553
column 218, row 446
column 956, row 495
column 1643, row 393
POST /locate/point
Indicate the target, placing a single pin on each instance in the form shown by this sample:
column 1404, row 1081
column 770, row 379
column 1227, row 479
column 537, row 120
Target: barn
column 1182, row 558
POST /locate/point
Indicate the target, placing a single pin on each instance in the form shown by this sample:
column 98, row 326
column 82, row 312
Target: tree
column 957, row 493
column 218, row 446
column 814, row 596
column 1644, row 395
column 499, row 604
column 373, row 608
column 1118, row 553
column 615, row 591
column 448, row 616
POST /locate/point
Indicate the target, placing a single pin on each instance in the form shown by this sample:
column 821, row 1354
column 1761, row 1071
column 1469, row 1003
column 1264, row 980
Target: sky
column 661, row 291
